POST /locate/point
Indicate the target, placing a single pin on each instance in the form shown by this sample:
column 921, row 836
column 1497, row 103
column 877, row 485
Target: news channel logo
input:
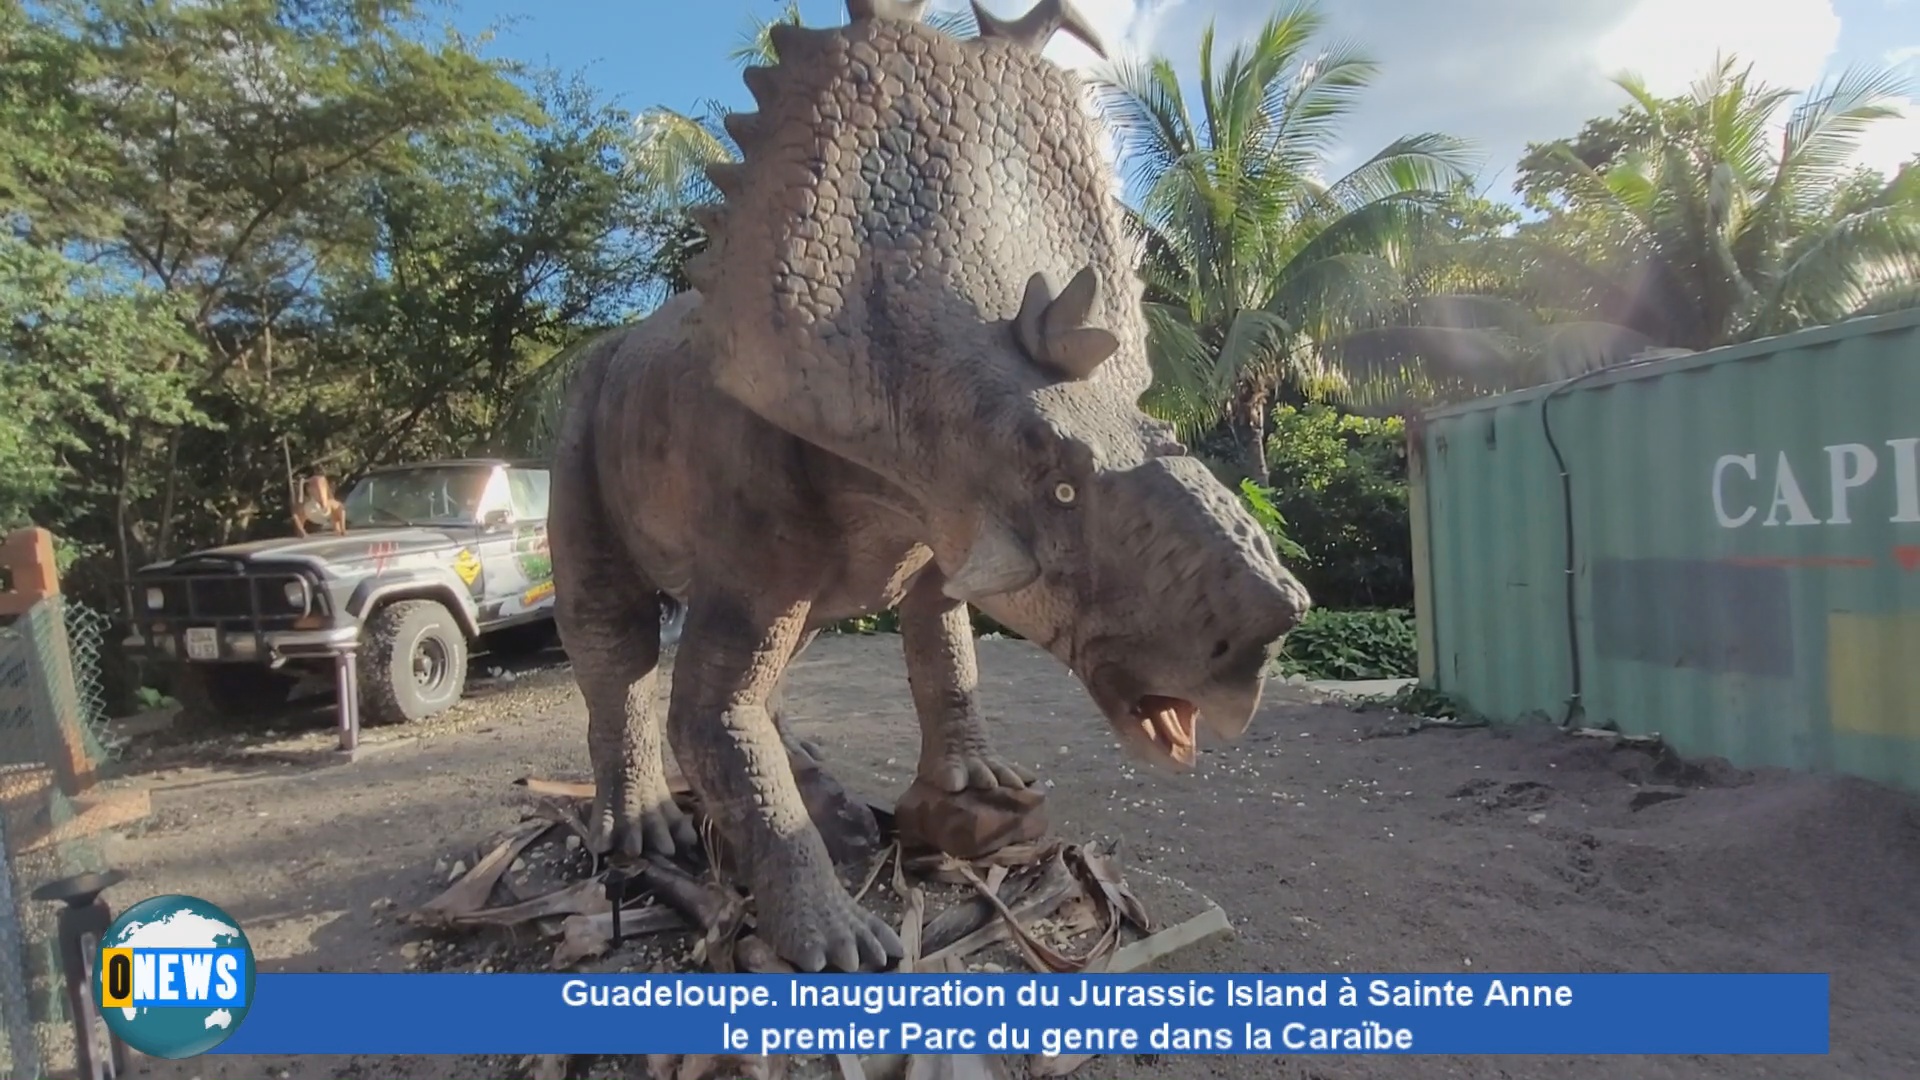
column 176, row 976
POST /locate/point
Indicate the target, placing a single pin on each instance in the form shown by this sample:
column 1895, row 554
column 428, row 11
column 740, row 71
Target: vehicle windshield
column 448, row 495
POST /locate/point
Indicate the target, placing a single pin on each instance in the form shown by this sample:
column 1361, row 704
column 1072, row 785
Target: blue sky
column 1498, row 72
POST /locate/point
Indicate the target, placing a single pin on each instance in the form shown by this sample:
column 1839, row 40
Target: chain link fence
column 53, row 736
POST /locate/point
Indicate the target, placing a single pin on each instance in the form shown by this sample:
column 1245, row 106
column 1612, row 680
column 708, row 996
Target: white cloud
column 1889, row 144
column 1670, row 43
column 1502, row 73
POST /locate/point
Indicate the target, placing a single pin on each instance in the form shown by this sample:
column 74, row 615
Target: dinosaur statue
column 907, row 377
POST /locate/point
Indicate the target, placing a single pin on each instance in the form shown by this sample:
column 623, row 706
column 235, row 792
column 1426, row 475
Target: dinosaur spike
column 761, row 84
column 1036, row 28
column 791, row 40
column 1076, row 353
column 1033, row 309
column 1070, row 309
column 727, row 176
column 747, row 128
column 910, row 10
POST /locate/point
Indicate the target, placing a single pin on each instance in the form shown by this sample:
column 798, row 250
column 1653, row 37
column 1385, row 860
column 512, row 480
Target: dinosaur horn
column 1037, row 27
column 909, row 10
column 1053, row 330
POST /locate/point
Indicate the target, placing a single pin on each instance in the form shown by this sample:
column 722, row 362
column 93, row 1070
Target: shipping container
column 1722, row 548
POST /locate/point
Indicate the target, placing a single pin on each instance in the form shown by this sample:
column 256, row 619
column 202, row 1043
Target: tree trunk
column 122, row 515
column 171, row 498
column 1250, row 430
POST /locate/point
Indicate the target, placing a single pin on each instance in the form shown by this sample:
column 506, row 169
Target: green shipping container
column 1722, row 548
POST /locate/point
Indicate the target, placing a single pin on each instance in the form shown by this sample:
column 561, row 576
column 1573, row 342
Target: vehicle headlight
column 156, row 598
column 296, row 593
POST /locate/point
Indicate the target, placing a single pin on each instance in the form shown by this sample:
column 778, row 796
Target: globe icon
column 177, row 922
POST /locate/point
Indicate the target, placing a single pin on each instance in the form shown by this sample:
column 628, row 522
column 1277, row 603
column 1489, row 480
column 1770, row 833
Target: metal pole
column 347, row 684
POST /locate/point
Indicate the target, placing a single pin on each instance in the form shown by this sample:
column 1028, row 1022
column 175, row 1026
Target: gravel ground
column 1333, row 840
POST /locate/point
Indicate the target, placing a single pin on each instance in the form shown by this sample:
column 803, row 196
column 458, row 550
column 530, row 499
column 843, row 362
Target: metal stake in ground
column 616, row 883
column 346, row 678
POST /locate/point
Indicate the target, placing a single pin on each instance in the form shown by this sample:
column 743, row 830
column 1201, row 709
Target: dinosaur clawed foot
column 813, row 924
column 652, row 824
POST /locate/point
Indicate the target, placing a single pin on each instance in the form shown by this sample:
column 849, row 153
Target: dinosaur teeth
column 1169, row 724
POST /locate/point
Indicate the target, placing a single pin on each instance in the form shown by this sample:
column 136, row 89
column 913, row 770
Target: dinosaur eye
column 1064, row 494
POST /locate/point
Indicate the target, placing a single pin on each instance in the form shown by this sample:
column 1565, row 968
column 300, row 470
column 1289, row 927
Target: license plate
column 203, row 643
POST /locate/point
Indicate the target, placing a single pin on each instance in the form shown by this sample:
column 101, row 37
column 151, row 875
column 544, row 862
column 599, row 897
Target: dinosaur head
column 920, row 264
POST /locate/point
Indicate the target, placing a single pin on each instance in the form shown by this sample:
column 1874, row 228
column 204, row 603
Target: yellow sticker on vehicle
column 537, row 593
column 467, row 565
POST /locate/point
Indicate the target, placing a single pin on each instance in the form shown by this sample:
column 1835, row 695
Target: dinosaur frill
column 905, row 198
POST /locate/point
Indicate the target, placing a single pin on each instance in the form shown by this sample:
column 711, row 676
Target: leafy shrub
column 1259, row 503
column 1340, row 484
column 1353, row 645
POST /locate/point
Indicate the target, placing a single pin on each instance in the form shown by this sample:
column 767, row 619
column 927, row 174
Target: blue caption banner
column 1038, row 1014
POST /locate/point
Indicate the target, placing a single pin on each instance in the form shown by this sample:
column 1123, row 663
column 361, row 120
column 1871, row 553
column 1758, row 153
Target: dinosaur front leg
column 732, row 656
column 938, row 637
column 609, row 620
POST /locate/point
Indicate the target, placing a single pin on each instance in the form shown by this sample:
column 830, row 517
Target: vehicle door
column 494, row 573
column 533, row 566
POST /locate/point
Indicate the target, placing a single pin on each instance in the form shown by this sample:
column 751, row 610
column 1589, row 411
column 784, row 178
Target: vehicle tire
column 413, row 662
column 223, row 696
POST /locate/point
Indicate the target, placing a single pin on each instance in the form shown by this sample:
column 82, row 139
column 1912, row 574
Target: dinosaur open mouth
column 1170, row 724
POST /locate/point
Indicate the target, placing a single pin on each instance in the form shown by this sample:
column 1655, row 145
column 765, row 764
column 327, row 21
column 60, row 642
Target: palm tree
column 1675, row 225
column 1254, row 262
column 1715, row 236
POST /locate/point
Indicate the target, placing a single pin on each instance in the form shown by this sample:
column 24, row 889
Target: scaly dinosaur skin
column 881, row 395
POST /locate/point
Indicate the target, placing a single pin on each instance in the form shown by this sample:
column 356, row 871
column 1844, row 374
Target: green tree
column 81, row 362
column 1254, row 263
column 252, row 234
column 1701, row 227
column 236, row 133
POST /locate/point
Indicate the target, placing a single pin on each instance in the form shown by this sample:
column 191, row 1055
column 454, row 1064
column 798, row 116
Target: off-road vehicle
column 436, row 557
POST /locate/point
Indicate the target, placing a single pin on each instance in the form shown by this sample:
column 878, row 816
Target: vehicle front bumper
column 241, row 646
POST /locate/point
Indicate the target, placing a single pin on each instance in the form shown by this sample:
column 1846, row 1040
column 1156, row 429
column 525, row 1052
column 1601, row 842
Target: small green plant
column 885, row 622
column 149, row 699
column 1418, row 700
column 1377, row 644
column 1259, row 502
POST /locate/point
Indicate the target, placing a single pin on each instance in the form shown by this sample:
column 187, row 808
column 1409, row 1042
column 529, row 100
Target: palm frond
column 1187, row 390
column 960, row 24
column 1142, row 103
column 1570, row 349
column 531, row 425
column 755, row 46
column 1257, row 348
column 669, row 152
column 1824, row 131
column 1339, row 295
column 1842, row 270
column 1425, row 163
